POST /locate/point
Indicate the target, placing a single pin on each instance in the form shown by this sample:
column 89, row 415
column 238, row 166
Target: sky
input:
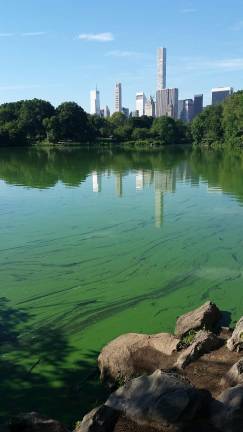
column 59, row 50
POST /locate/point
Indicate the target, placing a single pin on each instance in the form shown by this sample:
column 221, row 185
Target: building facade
column 95, row 102
column 107, row 112
column 167, row 103
column 140, row 103
column 149, row 109
column 198, row 104
column 118, row 97
column 125, row 111
column 220, row 94
column 161, row 68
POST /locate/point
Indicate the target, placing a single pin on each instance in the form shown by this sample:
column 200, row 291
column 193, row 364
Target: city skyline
column 61, row 56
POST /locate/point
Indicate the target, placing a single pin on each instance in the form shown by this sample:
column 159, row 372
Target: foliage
column 32, row 121
column 188, row 339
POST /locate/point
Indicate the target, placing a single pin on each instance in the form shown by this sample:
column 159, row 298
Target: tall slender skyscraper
column 95, row 102
column 161, row 68
column 118, row 97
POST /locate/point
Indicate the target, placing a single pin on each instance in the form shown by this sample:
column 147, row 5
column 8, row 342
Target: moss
column 187, row 339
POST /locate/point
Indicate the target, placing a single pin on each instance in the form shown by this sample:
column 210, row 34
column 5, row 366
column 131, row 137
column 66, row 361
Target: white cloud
column 33, row 34
column 188, row 10
column 97, row 37
column 18, row 87
column 237, row 26
column 6, row 34
column 118, row 53
column 202, row 64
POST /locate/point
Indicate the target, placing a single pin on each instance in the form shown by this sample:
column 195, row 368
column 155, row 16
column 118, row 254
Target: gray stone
column 206, row 316
column 34, row 422
column 119, row 360
column 159, row 400
column 235, row 343
column 101, row 419
column 234, row 376
column 204, row 342
column 227, row 410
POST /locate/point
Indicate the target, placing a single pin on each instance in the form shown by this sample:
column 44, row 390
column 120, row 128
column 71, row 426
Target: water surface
column 95, row 244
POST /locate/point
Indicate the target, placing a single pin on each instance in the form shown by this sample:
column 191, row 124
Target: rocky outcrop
column 34, row 422
column 234, row 376
column 227, row 410
column 204, row 342
column 161, row 400
column 235, row 343
column 101, row 419
column 132, row 354
column 205, row 317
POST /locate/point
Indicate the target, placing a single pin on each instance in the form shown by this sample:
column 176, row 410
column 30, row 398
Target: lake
column 98, row 243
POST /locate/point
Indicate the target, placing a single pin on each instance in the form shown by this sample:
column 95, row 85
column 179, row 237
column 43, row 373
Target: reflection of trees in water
column 43, row 168
column 33, row 375
column 221, row 169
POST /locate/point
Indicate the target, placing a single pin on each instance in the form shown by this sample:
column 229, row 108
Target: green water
column 95, row 244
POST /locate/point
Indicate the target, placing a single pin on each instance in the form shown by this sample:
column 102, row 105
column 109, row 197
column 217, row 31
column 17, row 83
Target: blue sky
column 60, row 49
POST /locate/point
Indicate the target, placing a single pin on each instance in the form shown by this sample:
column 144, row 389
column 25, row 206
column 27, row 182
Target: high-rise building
column 220, row 94
column 107, row 113
column 149, row 109
column 187, row 111
column 125, row 111
column 167, row 103
column 140, row 103
column 198, row 104
column 95, row 102
column 118, row 97
column 161, row 68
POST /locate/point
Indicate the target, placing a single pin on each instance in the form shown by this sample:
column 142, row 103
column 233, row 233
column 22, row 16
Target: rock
column 235, row 343
column 234, row 376
column 34, row 422
column 205, row 317
column 132, row 354
column 204, row 342
column 227, row 410
column 161, row 400
column 101, row 419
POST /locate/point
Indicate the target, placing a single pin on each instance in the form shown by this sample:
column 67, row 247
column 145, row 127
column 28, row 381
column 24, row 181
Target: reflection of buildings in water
column 139, row 180
column 118, row 181
column 214, row 189
column 96, row 178
column 185, row 173
column 163, row 182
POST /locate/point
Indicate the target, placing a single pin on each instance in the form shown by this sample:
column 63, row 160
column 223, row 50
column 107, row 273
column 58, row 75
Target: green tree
column 165, row 129
column 207, row 127
column 232, row 120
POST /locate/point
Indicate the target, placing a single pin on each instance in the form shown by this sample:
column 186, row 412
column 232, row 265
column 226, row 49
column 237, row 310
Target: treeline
column 31, row 121
column 220, row 125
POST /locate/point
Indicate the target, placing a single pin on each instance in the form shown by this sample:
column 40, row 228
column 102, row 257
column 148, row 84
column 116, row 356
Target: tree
column 207, row 127
column 232, row 120
column 164, row 129
column 73, row 123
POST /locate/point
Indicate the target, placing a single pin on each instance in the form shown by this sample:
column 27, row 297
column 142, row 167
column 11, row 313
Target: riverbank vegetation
column 220, row 125
column 37, row 121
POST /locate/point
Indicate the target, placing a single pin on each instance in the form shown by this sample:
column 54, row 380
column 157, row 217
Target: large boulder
column 132, row 354
column 227, row 410
column 161, row 400
column 234, row 376
column 101, row 419
column 235, row 343
column 34, row 422
column 205, row 317
column 204, row 342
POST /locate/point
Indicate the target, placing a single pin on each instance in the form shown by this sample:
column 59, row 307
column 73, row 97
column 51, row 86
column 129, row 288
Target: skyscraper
column 118, row 97
column 107, row 112
column 150, row 107
column 187, row 112
column 220, row 94
column 95, row 102
column 140, row 103
column 167, row 103
column 161, row 68
column 198, row 104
